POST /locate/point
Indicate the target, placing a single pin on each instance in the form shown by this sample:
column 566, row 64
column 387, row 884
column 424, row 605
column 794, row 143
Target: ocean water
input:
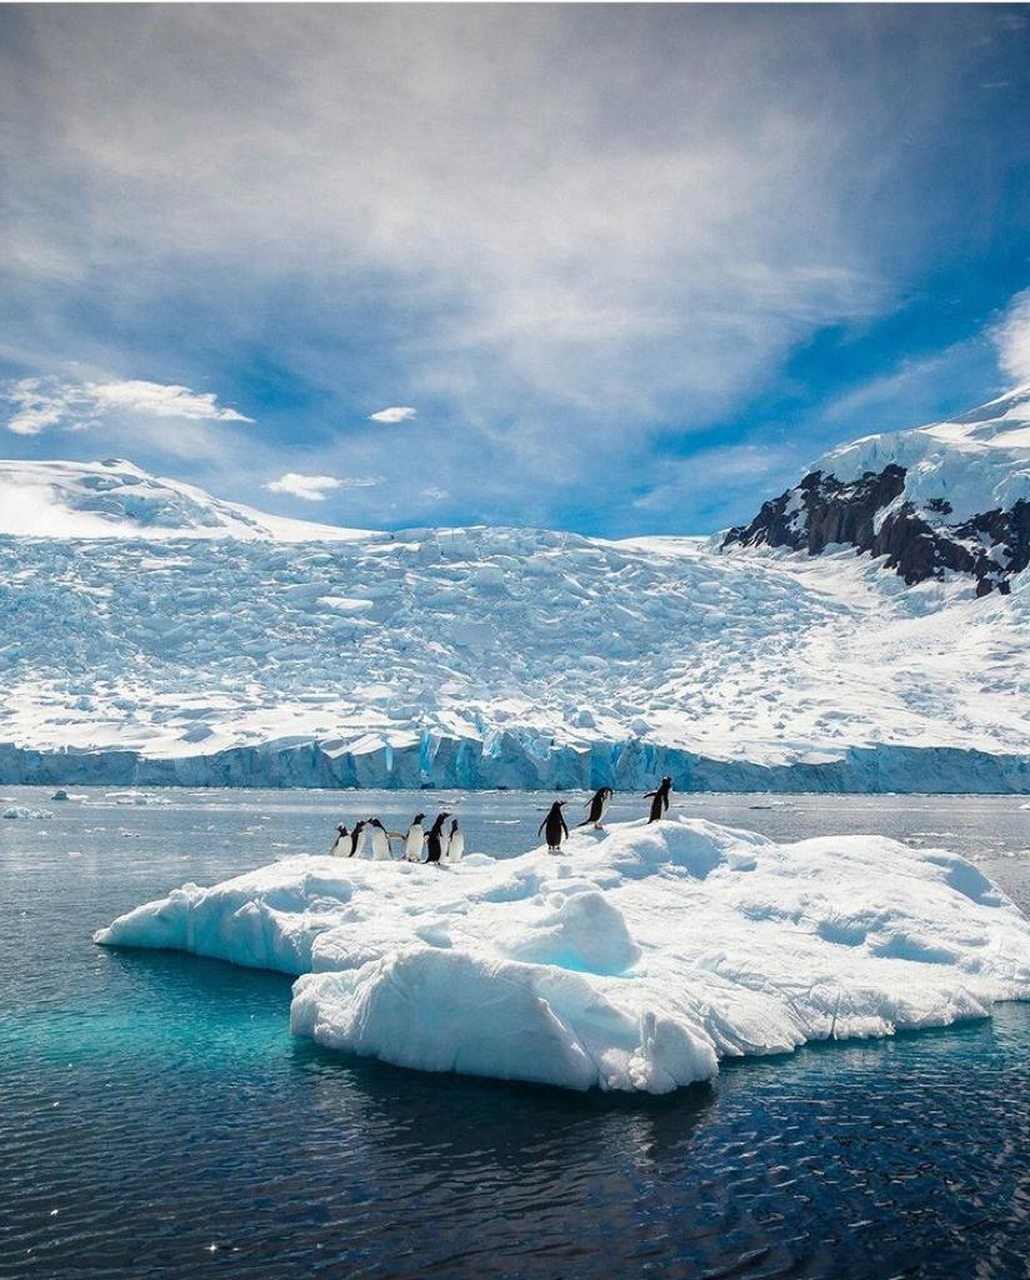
column 157, row 1119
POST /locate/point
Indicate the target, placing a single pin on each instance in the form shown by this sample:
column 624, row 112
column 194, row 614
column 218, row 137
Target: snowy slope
column 114, row 499
column 484, row 657
column 634, row 963
column 980, row 461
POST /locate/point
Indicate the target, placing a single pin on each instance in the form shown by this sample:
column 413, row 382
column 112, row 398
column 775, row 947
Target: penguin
column 414, row 840
column 357, row 840
column 435, row 839
column 602, row 798
column 380, row 841
column 341, row 845
column 554, row 827
column 456, row 843
column 660, row 803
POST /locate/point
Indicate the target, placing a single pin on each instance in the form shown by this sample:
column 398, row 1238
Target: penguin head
column 377, row 823
column 342, row 829
column 417, row 819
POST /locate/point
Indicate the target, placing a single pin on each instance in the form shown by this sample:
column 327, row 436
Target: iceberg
column 634, row 961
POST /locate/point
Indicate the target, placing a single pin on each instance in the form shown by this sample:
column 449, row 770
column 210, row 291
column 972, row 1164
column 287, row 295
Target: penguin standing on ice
column 380, row 841
column 415, row 839
column 341, row 845
column 660, row 800
column 436, row 839
column 553, row 827
column 357, row 839
column 455, row 843
column 599, row 803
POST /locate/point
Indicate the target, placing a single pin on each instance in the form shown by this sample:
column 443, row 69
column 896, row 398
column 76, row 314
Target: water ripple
column 157, row 1122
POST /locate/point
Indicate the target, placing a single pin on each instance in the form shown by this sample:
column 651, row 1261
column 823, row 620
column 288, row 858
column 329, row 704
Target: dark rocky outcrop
column 867, row 514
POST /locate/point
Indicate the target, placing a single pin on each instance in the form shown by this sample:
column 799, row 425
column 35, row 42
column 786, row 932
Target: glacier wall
column 511, row 760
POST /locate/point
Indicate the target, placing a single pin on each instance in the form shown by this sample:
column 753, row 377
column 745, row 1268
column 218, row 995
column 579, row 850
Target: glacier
column 155, row 636
column 636, row 961
column 493, row 657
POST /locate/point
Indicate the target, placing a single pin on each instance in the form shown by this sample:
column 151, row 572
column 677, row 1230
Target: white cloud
column 396, row 413
column 43, row 403
column 659, row 226
column 160, row 400
column 1012, row 339
column 569, row 264
column 310, row 488
column 35, row 409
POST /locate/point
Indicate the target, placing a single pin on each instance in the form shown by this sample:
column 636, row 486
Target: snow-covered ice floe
column 634, row 962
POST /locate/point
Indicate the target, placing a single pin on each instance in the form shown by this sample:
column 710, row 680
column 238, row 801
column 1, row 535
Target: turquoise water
column 157, row 1119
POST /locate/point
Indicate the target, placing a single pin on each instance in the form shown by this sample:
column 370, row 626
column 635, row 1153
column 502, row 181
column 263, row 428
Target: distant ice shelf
column 636, row 961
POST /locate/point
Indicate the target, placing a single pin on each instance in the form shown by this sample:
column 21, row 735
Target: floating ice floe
column 635, row 962
column 23, row 811
column 136, row 798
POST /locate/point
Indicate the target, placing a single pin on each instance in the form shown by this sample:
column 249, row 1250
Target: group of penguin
column 440, row 845
column 444, row 846
column 553, row 827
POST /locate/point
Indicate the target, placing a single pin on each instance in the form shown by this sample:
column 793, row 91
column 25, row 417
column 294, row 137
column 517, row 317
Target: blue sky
column 612, row 269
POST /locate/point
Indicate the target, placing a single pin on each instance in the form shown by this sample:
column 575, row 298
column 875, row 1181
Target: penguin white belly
column 341, row 849
column 413, row 844
column 604, row 807
column 380, row 845
column 456, row 847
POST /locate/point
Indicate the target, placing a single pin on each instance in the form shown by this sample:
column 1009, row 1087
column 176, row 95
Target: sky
column 613, row 269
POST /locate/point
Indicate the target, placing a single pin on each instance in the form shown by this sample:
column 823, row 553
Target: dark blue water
column 156, row 1118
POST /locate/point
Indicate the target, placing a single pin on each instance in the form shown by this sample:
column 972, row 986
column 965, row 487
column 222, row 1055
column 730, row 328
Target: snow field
column 635, row 962
column 184, row 649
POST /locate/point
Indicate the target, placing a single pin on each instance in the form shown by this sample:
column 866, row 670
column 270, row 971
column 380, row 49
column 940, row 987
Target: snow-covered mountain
column 950, row 496
column 114, row 499
column 275, row 653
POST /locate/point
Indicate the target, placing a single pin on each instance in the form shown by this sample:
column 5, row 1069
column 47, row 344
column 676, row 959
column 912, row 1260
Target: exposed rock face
column 871, row 514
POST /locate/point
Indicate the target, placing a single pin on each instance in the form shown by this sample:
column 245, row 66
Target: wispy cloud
column 303, row 207
column 159, row 401
column 396, row 413
column 1012, row 339
column 39, row 404
column 718, row 484
column 32, row 408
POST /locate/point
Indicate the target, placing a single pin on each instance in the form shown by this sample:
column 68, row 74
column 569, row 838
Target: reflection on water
column 158, row 1120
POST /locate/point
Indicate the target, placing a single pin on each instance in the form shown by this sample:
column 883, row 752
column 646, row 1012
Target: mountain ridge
column 951, row 496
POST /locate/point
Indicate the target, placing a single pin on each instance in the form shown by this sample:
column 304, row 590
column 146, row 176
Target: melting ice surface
column 634, row 962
